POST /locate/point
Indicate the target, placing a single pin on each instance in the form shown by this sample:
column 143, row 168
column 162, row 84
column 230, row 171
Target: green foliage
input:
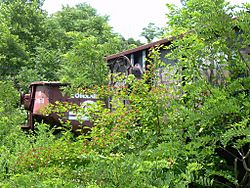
column 26, row 20
column 194, row 132
column 134, row 42
column 24, row 31
column 213, row 73
column 88, row 38
column 12, row 52
column 35, row 46
column 84, row 64
column 151, row 31
column 83, row 18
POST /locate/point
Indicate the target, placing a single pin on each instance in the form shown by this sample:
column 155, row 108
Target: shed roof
column 54, row 83
column 140, row 48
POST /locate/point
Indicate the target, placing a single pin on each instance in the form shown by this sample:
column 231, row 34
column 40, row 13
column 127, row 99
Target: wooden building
column 137, row 56
column 135, row 61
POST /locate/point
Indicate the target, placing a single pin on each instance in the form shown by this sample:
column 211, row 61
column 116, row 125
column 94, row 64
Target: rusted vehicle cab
column 42, row 94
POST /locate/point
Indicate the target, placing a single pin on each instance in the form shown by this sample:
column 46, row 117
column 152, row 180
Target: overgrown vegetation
column 35, row 46
column 192, row 132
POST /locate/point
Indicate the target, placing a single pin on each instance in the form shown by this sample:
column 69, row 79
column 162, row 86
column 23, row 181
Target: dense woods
column 36, row 46
column 192, row 132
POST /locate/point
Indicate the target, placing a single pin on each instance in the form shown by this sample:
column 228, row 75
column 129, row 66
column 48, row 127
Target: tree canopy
column 36, row 46
column 151, row 31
